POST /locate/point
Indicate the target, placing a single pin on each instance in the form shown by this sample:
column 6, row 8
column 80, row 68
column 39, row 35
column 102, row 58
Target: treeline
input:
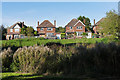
column 91, row 60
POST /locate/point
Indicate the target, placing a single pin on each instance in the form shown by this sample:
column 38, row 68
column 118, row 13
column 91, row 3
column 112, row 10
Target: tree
column 62, row 35
column 35, row 33
column 60, row 29
column 87, row 21
column 3, row 31
column 30, row 31
column 110, row 26
column 23, row 31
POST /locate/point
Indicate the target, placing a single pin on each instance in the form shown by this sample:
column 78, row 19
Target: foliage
column 60, row 29
column 84, row 34
column 30, row 31
column 87, row 21
column 23, row 31
column 35, row 33
column 110, row 26
column 6, row 56
column 30, row 59
column 63, row 35
column 99, row 60
column 3, row 31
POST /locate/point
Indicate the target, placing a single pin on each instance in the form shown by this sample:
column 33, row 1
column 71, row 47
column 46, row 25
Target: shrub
column 30, row 59
column 7, row 56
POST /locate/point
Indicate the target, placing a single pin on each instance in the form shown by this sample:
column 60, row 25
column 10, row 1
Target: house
column 13, row 32
column 75, row 26
column 46, row 28
column 96, row 26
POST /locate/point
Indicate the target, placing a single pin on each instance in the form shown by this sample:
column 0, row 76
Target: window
column 79, row 27
column 41, row 29
column 70, row 27
column 79, row 33
column 49, row 29
column 50, row 34
column 16, row 30
column 16, row 36
column 11, row 30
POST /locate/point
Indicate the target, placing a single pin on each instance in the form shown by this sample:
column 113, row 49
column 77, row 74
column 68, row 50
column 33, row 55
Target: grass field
column 39, row 41
column 28, row 76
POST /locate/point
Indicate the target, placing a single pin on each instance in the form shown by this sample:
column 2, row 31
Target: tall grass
column 99, row 60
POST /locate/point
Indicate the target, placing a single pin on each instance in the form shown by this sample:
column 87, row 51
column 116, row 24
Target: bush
column 7, row 57
column 30, row 59
column 79, row 59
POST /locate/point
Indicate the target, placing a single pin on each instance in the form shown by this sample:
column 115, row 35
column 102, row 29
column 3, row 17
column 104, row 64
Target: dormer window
column 79, row 27
column 41, row 29
column 49, row 29
column 70, row 27
column 11, row 30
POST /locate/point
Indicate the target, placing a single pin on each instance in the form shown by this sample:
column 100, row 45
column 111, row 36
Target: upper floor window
column 11, row 30
column 79, row 27
column 70, row 27
column 41, row 29
column 49, row 29
column 16, row 30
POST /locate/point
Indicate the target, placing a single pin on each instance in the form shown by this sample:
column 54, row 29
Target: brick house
column 46, row 28
column 13, row 32
column 97, row 27
column 75, row 26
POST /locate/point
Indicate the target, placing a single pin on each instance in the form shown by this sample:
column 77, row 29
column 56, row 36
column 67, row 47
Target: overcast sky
column 62, row 12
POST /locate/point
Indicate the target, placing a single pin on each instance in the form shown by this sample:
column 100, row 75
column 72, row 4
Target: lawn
column 28, row 76
column 39, row 41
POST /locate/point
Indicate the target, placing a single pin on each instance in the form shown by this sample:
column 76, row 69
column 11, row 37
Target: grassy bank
column 39, row 41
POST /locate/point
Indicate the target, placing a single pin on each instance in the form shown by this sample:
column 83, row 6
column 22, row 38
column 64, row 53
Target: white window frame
column 71, row 27
column 49, row 29
column 49, row 34
column 79, row 27
column 11, row 30
column 17, row 30
column 41, row 29
column 79, row 34
column 16, row 36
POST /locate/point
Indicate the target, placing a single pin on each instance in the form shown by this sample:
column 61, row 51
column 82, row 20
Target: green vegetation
column 42, row 41
column 3, row 31
column 28, row 76
column 60, row 30
column 110, row 26
column 83, row 60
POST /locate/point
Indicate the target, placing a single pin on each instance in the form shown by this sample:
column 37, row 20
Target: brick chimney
column 55, row 23
column 84, row 21
column 94, row 21
column 22, row 24
column 38, row 23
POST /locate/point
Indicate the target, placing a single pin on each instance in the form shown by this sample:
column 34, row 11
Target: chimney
column 22, row 24
column 38, row 23
column 55, row 23
column 84, row 21
column 94, row 21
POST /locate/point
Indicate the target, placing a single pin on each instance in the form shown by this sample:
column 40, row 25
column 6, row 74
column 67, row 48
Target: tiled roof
column 100, row 21
column 19, row 23
column 72, row 22
column 46, row 23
